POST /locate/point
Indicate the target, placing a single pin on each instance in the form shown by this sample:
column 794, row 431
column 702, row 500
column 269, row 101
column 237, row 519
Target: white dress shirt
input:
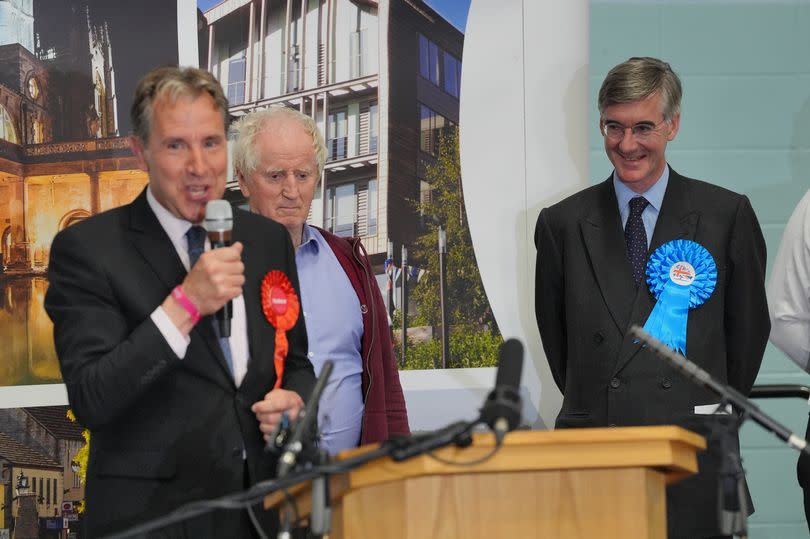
column 789, row 289
column 176, row 229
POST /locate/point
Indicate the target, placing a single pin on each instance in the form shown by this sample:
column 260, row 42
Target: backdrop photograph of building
column 382, row 80
column 67, row 74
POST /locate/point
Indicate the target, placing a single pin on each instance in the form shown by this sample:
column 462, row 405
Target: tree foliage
column 468, row 307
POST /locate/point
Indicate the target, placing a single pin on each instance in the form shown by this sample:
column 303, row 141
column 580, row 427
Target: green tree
column 468, row 307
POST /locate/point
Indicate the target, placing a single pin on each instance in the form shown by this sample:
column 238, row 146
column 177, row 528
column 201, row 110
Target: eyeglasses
column 641, row 131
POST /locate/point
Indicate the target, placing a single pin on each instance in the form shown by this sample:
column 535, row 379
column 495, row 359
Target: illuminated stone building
column 61, row 157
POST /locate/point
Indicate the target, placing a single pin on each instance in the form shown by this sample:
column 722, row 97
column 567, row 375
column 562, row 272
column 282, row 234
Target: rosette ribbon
column 681, row 275
column 281, row 307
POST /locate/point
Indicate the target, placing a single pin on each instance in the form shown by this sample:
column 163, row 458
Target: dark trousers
column 803, row 474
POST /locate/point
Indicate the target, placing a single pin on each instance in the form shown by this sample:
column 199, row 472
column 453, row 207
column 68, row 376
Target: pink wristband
column 181, row 298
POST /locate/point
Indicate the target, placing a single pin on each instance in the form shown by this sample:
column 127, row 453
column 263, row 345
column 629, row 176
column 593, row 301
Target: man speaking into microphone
column 173, row 403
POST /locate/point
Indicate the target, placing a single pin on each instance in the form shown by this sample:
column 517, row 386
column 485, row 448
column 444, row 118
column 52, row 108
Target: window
column 341, row 210
column 47, row 492
column 40, row 487
column 445, row 74
column 7, row 131
column 77, row 482
column 34, row 485
column 237, row 73
column 351, row 209
column 371, row 227
column 337, row 135
column 54, row 490
column 358, row 45
column 428, row 60
column 373, row 127
column 452, row 74
column 432, row 125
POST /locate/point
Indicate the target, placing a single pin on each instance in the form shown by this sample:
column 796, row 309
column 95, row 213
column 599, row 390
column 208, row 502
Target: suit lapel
column 157, row 250
column 257, row 326
column 675, row 221
column 604, row 242
column 153, row 244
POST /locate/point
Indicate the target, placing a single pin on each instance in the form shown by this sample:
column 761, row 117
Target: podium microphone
column 727, row 393
column 305, row 422
column 218, row 224
column 501, row 410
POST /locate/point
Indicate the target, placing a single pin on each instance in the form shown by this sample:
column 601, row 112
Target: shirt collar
column 175, row 227
column 308, row 238
column 654, row 195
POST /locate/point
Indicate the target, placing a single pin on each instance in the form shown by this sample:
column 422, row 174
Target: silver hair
column 637, row 79
column 247, row 128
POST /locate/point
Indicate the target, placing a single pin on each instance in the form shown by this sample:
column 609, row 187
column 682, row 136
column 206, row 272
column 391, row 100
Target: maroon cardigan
column 385, row 413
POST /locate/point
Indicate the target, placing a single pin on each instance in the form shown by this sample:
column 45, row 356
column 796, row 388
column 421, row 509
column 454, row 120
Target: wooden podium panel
column 568, row 483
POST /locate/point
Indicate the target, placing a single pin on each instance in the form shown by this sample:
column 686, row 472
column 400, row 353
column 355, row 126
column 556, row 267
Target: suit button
column 614, row 383
column 236, row 451
column 598, row 338
column 666, row 383
column 612, row 425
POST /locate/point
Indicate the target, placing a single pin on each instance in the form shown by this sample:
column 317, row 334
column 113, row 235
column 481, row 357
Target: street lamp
column 74, row 466
column 22, row 484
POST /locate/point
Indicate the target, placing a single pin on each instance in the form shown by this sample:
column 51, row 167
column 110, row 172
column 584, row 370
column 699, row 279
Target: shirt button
column 666, row 383
column 311, row 355
column 614, row 383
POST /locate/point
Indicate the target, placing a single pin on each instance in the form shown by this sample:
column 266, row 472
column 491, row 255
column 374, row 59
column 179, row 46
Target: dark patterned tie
column 636, row 238
column 196, row 245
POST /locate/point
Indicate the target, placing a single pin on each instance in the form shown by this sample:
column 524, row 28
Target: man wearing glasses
column 597, row 257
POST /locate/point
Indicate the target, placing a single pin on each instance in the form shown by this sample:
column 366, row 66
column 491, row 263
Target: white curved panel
column 524, row 146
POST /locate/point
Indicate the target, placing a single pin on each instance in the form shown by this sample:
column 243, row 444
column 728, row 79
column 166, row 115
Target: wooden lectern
column 572, row 483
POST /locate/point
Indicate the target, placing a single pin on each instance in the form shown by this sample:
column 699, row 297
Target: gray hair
column 172, row 82
column 248, row 127
column 639, row 78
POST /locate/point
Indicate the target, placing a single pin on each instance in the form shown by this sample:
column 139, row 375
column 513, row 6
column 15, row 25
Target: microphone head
column 218, row 216
column 502, row 408
column 510, row 364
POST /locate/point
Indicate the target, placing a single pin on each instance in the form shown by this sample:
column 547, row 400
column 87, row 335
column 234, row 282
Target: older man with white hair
column 279, row 155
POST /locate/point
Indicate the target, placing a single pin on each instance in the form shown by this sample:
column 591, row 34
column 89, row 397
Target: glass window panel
column 433, row 57
column 451, row 73
column 372, row 207
column 425, row 133
column 373, row 127
column 345, row 210
column 237, row 70
column 338, row 130
column 424, row 63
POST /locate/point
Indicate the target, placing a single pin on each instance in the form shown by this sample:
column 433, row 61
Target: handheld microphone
column 501, row 410
column 737, row 399
column 304, row 423
column 219, row 223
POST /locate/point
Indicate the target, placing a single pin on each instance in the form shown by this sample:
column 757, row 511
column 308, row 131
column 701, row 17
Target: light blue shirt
column 654, row 195
column 334, row 329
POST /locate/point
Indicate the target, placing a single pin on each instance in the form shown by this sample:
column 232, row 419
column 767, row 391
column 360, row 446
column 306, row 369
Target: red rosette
column 281, row 306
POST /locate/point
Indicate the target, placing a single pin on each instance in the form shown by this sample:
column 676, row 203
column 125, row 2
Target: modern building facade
column 381, row 79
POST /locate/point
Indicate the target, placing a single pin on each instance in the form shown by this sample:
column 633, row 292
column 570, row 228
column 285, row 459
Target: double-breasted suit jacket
column 586, row 300
column 164, row 430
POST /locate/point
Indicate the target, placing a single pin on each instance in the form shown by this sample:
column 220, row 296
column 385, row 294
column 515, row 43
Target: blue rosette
column 681, row 275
